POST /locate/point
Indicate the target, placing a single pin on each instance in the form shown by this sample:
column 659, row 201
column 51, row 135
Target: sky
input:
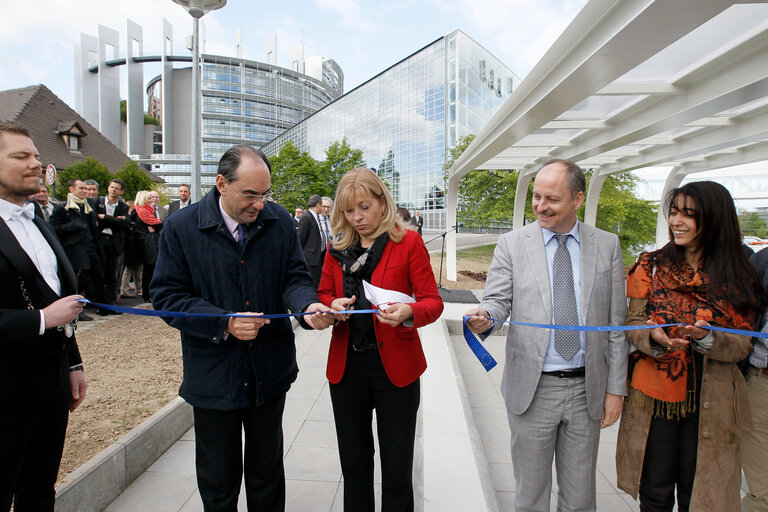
column 364, row 37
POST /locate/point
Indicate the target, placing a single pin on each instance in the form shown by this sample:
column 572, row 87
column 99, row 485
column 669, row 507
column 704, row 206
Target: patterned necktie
column 241, row 235
column 323, row 240
column 567, row 343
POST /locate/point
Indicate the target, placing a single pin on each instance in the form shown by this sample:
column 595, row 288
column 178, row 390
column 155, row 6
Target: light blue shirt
column 553, row 360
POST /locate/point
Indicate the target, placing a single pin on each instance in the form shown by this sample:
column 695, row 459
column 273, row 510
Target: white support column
column 450, row 221
column 521, row 196
column 593, row 197
column 135, row 81
column 109, row 86
column 169, row 145
column 674, row 179
column 87, row 87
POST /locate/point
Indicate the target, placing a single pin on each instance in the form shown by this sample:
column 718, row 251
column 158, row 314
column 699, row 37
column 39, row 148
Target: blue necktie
column 241, row 235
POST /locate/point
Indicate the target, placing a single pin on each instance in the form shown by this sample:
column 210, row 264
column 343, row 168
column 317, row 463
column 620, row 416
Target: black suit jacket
column 119, row 227
column 310, row 240
column 77, row 232
column 175, row 206
column 418, row 222
column 20, row 340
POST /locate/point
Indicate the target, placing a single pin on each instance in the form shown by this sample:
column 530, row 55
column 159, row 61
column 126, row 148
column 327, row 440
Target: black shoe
column 82, row 317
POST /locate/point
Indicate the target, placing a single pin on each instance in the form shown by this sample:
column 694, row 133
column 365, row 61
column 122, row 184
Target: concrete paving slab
column 321, row 434
column 159, row 492
column 313, row 463
column 179, row 459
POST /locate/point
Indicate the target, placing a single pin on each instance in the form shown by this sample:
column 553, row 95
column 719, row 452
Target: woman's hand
column 342, row 304
column 659, row 336
column 695, row 331
column 395, row 314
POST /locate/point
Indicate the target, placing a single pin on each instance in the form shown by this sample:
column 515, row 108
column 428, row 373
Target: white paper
column 383, row 298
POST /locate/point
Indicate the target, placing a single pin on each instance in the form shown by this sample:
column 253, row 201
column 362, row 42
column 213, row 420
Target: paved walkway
column 313, row 475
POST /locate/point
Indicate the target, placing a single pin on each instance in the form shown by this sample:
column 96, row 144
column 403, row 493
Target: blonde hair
column 363, row 181
column 142, row 197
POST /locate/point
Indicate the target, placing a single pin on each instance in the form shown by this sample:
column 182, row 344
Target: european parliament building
column 243, row 101
column 406, row 118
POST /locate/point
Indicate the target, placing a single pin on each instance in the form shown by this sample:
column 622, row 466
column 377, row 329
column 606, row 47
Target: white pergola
column 632, row 84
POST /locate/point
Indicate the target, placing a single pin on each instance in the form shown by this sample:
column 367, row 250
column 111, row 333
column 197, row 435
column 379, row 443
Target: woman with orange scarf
column 687, row 403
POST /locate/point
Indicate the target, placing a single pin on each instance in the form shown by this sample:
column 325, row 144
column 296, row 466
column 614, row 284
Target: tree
column 752, row 224
column 620, row 211
column 339, row 158
column 124, row 115
column 135, row 180
column 88, row 169
column 295, row 176
column 487, row 197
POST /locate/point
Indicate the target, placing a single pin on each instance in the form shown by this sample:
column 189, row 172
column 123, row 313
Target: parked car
column 755, row 243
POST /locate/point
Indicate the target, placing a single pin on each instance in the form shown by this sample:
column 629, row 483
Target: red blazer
column 404, row 267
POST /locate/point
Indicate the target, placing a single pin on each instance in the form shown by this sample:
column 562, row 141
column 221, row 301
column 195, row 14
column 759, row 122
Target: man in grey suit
column 560, row 387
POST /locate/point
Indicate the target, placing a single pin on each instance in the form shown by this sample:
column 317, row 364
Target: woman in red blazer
column 375, row 360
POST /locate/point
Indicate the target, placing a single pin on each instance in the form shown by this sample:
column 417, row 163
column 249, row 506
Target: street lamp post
column 197, row 9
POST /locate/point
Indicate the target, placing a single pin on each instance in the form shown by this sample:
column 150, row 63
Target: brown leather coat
column 724, row 412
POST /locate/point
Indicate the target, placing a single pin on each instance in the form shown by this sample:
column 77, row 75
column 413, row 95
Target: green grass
column 483, row 253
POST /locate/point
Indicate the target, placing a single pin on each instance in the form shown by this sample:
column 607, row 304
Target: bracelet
column 76, row 368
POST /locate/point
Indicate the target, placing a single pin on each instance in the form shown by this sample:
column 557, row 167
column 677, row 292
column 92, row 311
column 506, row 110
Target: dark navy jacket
column 201, row 269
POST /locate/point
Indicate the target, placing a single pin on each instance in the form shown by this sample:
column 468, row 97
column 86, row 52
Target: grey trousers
column 556, row 425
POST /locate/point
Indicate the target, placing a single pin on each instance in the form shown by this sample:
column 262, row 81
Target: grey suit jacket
column 518, row 287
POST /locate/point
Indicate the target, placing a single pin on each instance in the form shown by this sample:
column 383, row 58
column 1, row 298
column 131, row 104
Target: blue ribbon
column 488, row 362
column 178, row 314
column 482, row 355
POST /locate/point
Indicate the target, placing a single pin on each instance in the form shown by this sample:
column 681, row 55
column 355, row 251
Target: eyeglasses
column 252, row 198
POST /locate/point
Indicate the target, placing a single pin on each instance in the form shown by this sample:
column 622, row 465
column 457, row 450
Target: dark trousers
column 670, row 461
column 365, row 387
column 146, row 279
column 32, row 430
column 219, row 456
column 110, row 271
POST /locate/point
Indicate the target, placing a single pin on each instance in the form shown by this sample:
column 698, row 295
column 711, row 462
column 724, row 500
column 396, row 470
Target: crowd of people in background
column 112, row 243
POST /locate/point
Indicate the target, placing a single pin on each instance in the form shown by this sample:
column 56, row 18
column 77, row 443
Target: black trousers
column 32, row 430
column 220, row 462
column 365, row 387
column 111, row 270
column 670, row 461
column 146, row 279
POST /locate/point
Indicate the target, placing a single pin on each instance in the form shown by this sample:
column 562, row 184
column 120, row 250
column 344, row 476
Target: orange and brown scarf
column 675, row 295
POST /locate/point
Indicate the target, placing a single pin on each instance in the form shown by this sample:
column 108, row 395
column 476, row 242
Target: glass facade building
column 406, row 118
column 243, row 102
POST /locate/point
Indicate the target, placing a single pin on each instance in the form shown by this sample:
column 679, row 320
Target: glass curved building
column 243, row 101
column 407, row 117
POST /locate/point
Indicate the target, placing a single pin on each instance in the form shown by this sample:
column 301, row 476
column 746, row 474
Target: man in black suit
column 113, row 228
column 76, row 224
column 40, row 366
column 312, row 239
column 183, row 200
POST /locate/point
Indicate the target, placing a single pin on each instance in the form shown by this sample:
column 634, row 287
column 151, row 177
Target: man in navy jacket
column 235, row 251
